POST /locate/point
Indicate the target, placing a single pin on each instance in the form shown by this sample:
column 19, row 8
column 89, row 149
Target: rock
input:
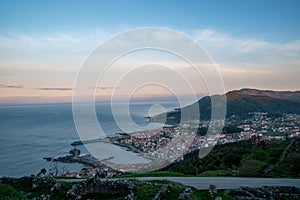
column 45, row 197
column 56, row 187
column 34, row 186
column 239, row 192
column 47, row 158
column 268, row 169
column 130, row 196
column 70, row 194
column 213, row 189
column 267, row 192
column 161, row 192
column 187, row 194
column 96, row 186
column 255, row 191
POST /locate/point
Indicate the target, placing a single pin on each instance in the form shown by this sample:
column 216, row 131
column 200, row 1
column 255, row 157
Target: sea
column 31, row 132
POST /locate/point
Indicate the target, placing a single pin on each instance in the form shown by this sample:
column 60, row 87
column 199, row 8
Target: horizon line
column 24, row 100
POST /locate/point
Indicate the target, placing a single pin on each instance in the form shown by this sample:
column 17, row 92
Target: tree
column 249, row 168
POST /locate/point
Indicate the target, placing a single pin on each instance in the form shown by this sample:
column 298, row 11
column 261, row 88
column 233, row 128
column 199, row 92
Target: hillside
column 287, row 95
column 244, row 101
column 245, row 159
column 240, row 103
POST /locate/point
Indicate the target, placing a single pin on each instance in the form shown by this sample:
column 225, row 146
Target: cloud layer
column 11, row 86
column 53, row 59
column 254, row 50
column 55, row 89
column 219, row 45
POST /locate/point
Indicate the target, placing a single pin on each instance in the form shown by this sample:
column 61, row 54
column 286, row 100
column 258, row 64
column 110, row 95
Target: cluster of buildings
column 264, row 126
column 173, row 142
column 150, row 140
column 168, row 144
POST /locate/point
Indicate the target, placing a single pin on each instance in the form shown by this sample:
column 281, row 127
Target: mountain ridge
column 240, row 102
column 287, row 95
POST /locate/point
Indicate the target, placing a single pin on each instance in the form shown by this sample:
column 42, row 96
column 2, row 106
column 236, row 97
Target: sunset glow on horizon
column 43, row 45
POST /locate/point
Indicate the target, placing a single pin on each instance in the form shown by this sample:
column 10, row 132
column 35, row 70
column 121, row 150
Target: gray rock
column 267, row 192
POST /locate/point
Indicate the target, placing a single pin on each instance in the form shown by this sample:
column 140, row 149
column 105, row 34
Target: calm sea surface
column 28, row 133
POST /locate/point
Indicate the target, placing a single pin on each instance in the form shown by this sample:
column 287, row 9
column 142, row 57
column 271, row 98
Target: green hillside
column 240, row 103
column 245, row 159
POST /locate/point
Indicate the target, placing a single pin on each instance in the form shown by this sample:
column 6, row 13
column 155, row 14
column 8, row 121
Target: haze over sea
column 28, row 133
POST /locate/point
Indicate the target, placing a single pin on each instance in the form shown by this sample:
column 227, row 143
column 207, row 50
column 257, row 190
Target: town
column 170, row 143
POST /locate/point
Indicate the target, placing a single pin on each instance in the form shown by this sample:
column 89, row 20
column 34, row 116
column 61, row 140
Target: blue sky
column 273, row 19
column 43, row 43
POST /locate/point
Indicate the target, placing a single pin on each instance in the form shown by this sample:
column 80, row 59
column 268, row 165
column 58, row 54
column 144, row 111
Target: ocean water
column 28, row 133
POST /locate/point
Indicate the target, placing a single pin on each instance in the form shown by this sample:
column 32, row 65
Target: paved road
column 229, row 183
column 202, row 183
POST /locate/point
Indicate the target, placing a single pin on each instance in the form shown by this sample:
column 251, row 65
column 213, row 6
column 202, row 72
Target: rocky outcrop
column 265, row 193
column 187, row 194
column 45, row 187
column 161, row 192
column 96, row 186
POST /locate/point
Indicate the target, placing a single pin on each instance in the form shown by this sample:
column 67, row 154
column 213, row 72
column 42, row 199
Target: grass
column 174, row 189
column 246, row 157
column 147, row 192
column 61, row 194
column 252, row 164
column 154, row 174
column 216, row 173
column 9, row 193
column 204, row 195
column 172, row 193
column 43, row 188
column 102, row 197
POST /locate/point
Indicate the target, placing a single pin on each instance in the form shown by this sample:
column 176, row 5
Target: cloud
column 212, row 38
column 57, row 89
column 104, row 88
column 22, row 58
column 107, row 88
column 11, row 86
column 240, row 45
column 224, row 47
column 221, row 46
column 60, row 44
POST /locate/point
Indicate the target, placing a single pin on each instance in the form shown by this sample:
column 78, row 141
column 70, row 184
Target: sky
column 43, row 44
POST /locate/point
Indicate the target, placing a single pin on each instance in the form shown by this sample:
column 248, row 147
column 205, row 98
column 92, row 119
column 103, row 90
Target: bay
column 28, row 133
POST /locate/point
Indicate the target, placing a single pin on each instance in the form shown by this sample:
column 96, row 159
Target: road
column 202, row 183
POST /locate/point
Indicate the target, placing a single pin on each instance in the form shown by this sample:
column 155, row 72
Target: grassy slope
column 244, row 157
column 237, row 103
column 8, row 192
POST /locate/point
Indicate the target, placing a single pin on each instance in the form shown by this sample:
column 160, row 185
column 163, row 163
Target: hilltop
column 240, row 103
column 286, row 95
